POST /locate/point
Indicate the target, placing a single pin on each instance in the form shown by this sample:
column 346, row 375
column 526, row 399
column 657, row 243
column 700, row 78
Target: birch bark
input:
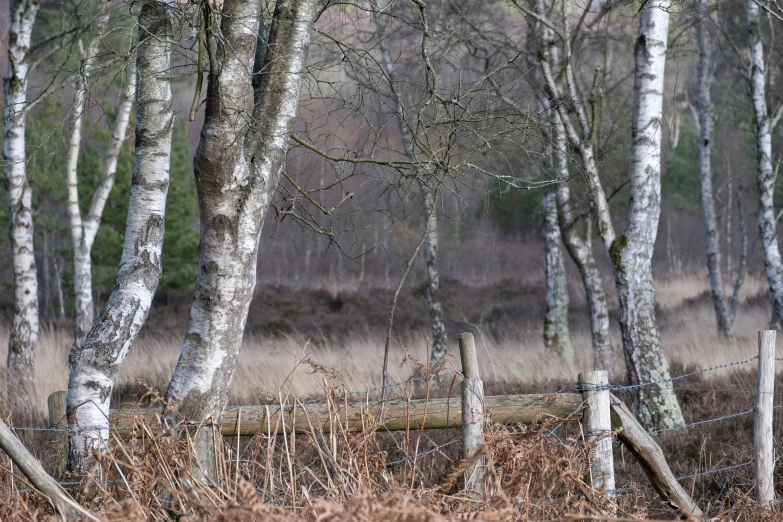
column 765, row 174
column 439, row 336
column 100, row 356
column 631, row 253
column 84, row 229
column 711, row 237
column 581, row 251
column 556, row 335
column 24, row 328
column 237, row 168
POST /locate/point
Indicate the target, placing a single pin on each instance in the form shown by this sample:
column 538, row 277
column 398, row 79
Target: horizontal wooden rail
column 400, row 415
column 433, row 414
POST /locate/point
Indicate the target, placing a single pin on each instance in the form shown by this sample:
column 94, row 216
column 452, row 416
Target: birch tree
column 724, row 309
column 556, row 334
column 762, row 123
column 237, row 167
column 24, row 328
column 84, row 228
column 580, row 249
column 100, row 356
column 426, row 188
column 631, row 252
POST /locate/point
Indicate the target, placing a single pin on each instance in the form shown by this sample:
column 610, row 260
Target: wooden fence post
column 597, row 422
column 472, row 410
column 764, row 460
column 57, row 420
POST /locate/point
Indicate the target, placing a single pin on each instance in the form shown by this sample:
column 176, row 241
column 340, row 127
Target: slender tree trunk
column 730, row 195
column 766, row 174
column 439, row 346
column 237, row 169
column 84, row 230
column 103, row 351
column 556, row 335
column 82, row 280
column 47, row 286
column 581, row 252
column 439, row 336
column 674, row 130
column 24, row 328
column 743, row 259
column 59, row 282
column 711, row 236
column 632, row 253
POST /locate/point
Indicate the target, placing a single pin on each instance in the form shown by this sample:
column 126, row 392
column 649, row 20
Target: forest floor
column 540, row 470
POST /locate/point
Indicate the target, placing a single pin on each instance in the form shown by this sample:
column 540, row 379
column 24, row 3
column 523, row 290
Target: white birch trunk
column 84, row 230
column 584, row 144
column 46, row 290
column 656, row 406
column 24, row 328
column 82, row 280
column 631, row 254
column 439, row 339
column 766, row 174
column 98, row 359
column 237, row 168
column 439, row 336
column 711, row 236
column 556, row 335
column 581, row 251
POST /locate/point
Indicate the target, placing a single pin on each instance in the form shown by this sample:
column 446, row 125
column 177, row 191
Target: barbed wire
column 697, row 423
column 617, row 387
column 457, row 374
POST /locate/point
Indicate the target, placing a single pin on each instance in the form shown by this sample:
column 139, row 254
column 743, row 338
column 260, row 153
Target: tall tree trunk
column 59, row 282
column 427, row 189
column 24, row 328
column 84, row 230
column 47, row 286
column 100, row 356
column 439, row 347
column 711, row 236
column 556, row 335
column 632, row 253
column 581, row 251
column 237, row 168
column 766, row 175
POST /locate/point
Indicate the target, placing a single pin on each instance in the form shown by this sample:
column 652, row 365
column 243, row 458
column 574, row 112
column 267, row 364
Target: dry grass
column 516, row 362
column 535, row 473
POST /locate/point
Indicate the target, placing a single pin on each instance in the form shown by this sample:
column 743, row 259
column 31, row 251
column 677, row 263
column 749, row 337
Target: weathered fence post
column 472, row 410
column 58, row 422
column 597, row 422
column 762, row 419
